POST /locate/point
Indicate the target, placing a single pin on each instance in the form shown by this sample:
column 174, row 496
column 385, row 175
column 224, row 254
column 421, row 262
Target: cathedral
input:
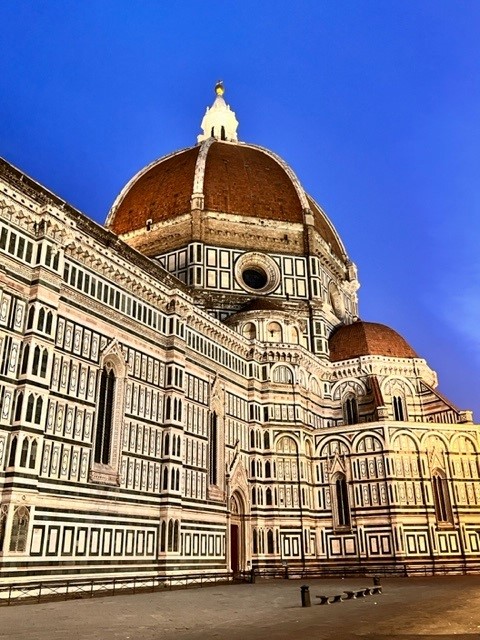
column 189, row 389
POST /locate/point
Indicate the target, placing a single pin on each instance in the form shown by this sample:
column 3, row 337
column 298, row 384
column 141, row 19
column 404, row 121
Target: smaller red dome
column 367, row 339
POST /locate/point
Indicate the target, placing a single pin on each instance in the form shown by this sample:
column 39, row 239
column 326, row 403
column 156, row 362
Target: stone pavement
column 436, row 608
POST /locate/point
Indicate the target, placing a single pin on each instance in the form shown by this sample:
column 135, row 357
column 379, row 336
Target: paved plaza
column 427, row 608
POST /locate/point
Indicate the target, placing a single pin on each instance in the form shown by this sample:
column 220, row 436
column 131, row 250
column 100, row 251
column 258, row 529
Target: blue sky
column 374, row 104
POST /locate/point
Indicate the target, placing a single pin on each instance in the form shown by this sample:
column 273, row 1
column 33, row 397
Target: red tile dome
column 367, row 338
column 231, row 178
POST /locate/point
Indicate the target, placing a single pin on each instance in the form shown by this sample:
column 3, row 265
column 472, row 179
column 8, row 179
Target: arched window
column 350, row 410
column 170, row 535
column 166, row 445
column 26, row 353
column 33, row 455
column 18, row 406
column 36, row 360
column 176, row 536
column 3, row 522
column 165, row 479
column 48, row 325
column 106, row 403
column 31, row 313
column 398, row 408
column 24, row 454
column 41, row 319
column 268, row 496
column 30, row 404
column 252, row 468
column 18, row 539
column 270, row 547
column 249, row 331
column 222, row 133
column 38, row 410
column 283, row 375
column 342, row 514
column 43, row 366
column 274, row 332
column 255, row 541
column 441, row 497
column 178, row 446
column 213, row 449
column 13, row 452
column 163, row 535
column 268, row 469
column 266, row 440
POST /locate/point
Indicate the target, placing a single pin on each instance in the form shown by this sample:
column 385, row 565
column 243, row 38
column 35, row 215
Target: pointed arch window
column 18, row 538
column 213, row 450
column 350, row 410
column 13, row 452
column 3, row 523
column 398, row 408
column 341, row 502
column 103, row 436
column 441, row 498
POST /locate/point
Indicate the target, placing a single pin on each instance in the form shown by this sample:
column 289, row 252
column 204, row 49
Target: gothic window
column 18, row 407
column 38, row 410
column 26, row 353
column 41, row 319
column 33, row 455
column 350, row 411
column 252, row 439
column 30, row 405
column 441, row 497
column 255, row 541
column 13, row 452
column 36, row 359
column 165, row 479
column 163, row 535
column 166, row 445
column 106, row 400
column 266, row 440
column 18, row 538
column 48, row 326
column 24, row 454
column 43, row 366
column 341, row 503
column 398, row 408
column 213, row 453
column 31, row 313
column 268, row 496
column 3, row 523
column 170, row 536
column 176, row 536
column 268, row 469
column 270, row 547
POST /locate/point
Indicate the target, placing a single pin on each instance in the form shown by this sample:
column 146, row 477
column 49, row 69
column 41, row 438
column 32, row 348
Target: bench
column 323, row 599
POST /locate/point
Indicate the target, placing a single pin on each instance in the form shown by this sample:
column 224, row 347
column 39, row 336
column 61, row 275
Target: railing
column 351, row 571
column 77, row 589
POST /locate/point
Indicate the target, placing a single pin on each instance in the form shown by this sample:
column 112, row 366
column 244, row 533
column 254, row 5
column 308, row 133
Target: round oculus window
column 254, row 277
column 257, row 273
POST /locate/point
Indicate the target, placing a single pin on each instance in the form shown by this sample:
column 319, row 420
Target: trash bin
column 376, row 581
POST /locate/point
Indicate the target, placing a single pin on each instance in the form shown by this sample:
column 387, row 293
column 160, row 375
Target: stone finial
column 219, row 120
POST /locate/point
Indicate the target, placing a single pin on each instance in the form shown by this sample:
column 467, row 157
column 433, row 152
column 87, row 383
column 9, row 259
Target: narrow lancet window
column 106, row 400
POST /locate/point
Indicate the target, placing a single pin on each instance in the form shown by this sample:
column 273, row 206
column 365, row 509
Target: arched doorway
column 237, row 533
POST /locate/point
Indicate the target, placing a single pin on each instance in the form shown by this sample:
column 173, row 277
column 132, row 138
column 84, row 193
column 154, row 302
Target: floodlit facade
column 189, row 389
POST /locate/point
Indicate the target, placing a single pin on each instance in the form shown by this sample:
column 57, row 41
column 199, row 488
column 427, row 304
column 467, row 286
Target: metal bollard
column 305, row 593
column 252, row 576
column 376, row 581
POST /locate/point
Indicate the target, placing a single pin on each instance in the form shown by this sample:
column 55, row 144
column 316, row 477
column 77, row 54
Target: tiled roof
column 238, row 179
column 367, row 338
column 245, row 181
column 162, row 192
